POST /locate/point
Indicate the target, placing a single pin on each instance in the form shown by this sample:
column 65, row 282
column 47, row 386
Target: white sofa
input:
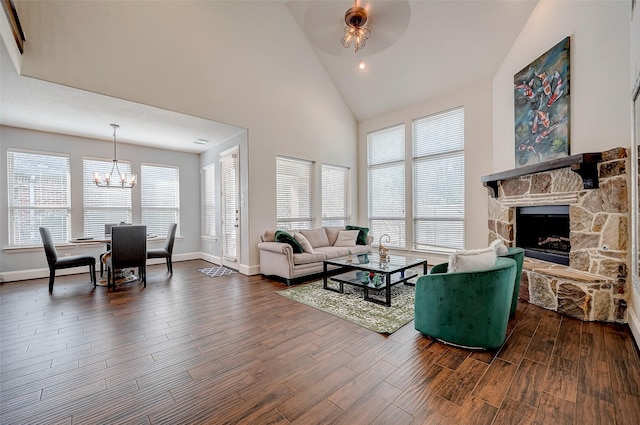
column 277, row 259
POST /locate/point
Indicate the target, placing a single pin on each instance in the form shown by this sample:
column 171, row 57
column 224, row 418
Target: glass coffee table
column 357, row 272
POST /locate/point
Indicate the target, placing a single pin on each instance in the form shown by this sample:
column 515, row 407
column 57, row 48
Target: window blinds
column 335, row 195
column 386, row 184
column 438, row 180
column 209, row 201
column 160, row 197
column 39, row 195
column 104, row 205
column 294, row 179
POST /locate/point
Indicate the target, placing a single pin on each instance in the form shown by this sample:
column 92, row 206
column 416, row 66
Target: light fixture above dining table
column 121, row 180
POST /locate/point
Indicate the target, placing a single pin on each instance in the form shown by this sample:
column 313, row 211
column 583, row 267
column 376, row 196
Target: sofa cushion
column 316, row 237
column 306, row 246
column 332, row 233
column 363, row 232
column 472, row 260
column 269, row 236
column 306, row 258
column 346, row 238
column 282, row 236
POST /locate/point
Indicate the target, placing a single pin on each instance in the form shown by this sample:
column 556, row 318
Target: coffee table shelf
column 392, row 273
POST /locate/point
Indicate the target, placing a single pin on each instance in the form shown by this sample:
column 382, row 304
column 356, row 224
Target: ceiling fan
column 323, row 23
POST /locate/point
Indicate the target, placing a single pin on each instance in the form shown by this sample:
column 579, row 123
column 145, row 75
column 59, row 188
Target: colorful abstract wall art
column 541, row 100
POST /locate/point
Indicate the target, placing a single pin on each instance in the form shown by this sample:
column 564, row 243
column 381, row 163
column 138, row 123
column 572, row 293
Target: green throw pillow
column 288, row 238
column 362, row 236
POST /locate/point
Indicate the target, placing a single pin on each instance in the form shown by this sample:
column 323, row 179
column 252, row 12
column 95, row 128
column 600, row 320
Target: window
column 209, row 201
column 160, row 197
column 39, row 195
column 438, row 181
column 294, row 178
column 104, row 205
column 335, row 195
column 386, row 184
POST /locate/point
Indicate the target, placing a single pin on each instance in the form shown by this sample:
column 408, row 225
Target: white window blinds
column 209, row 201
column 386, row 184
column 335, row 195
column 103, row 205
column 39, row 196
column 294, row 179
column 438, row 180
column 160, row 197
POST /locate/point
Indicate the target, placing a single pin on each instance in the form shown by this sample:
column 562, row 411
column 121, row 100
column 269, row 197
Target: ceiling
column 417, row 49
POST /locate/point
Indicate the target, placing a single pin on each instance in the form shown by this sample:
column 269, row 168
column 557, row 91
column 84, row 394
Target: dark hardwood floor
column 192, row 349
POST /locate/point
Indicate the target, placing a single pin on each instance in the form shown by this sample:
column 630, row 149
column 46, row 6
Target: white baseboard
column 44, row 272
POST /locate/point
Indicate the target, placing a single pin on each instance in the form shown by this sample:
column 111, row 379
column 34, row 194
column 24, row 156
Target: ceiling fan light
column 356, row 32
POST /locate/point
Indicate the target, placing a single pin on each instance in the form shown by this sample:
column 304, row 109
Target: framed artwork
column 541, row 103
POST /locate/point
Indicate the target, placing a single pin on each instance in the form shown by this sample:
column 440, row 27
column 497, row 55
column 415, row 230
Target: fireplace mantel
column 585, row 164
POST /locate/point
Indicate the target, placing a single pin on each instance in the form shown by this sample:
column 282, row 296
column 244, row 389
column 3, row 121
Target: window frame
column 209, row 171
column 447, row 224
column 395, row 193
column 61, row 235
column 163, row 226
column 290, row 222
column 104, row 212
column 333, row 187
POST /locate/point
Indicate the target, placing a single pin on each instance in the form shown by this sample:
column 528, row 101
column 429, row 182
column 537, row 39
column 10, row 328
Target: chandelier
column 355, row 31
column 122, row 180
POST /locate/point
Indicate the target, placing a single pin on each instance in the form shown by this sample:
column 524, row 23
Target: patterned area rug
column 217, row 271
column 352, row 307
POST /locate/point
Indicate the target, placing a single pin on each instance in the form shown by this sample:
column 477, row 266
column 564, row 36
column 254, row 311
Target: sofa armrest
column 278, row 248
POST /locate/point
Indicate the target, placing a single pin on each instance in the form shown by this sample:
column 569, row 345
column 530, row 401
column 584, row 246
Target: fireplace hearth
column 543, row 232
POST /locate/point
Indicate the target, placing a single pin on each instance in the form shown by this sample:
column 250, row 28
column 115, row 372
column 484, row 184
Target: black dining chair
column 128, row 249
column 56, row 263
column 167, row 251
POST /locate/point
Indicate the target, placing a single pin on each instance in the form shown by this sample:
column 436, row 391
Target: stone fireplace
column 592, row 188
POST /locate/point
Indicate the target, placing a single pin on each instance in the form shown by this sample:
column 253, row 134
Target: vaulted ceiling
column 417, row 49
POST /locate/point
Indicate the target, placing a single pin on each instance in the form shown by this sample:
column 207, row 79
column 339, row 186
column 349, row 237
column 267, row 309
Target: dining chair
column 167, row 251
column 56, row 263
column 128, row 249
column 107, row 248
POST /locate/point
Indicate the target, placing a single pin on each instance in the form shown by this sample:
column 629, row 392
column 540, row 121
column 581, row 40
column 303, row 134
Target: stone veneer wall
column 594, row 285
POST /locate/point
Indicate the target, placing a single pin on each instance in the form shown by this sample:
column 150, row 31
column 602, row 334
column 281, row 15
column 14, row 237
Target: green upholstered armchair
column 516, row 254
column 469, row 309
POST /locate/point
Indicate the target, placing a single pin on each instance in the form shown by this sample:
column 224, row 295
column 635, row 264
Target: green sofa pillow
column 362, row 236
column 282, row 236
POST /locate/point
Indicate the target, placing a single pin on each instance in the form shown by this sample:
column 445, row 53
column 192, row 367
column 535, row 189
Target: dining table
column 120, row 276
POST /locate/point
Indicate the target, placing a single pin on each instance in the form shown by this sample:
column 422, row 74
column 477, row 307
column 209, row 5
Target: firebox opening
column 543, row 232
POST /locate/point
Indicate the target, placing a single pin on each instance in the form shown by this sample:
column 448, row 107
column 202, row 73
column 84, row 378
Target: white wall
column 634, row 84
column 161, row 54
column 76, row 147
column 599, row 74
column 477, row 115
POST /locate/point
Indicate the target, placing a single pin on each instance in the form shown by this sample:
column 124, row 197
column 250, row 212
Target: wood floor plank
column 460, row 385
column 191, row 349
column 515, row 412
column 554, row 410
column 527, row 384
column 493, row 386
column 593, row 411
column 562, row 378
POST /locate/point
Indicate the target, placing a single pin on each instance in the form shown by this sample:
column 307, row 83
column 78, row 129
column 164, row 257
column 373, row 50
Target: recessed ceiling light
column 201, row 142
column 362, row 66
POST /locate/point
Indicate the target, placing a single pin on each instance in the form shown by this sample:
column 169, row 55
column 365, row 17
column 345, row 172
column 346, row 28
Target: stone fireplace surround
column 595, row 186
